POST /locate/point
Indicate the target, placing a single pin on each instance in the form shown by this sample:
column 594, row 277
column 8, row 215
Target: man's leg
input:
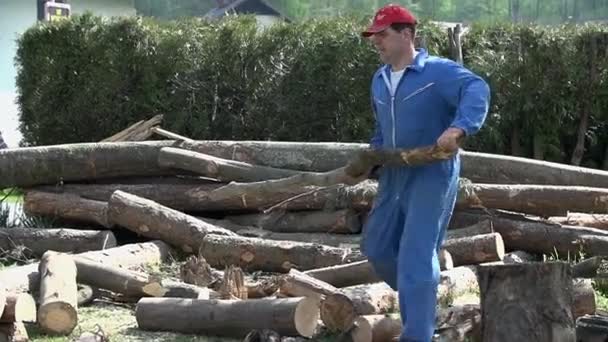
column 418, row 263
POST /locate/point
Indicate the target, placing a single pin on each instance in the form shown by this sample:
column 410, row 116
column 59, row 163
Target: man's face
column 390, row 44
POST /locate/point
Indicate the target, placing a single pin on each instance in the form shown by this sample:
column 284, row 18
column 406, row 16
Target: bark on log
column 542, row 200
column 139, row 131
column 58, row 311
column 455, row 283
column 19, row 307
column 13, row 332
column 133, row 256
column 233, row 318
column 28, row 166
column 175, row 289
column 587, row 268
column 599, row 221
column 376, row 328
column 299, row 284
column 66, row 206
column 328, row 239
column 232, row 285
column 223, row 170
column 39, row 240
column 592, row 328
column 253, row 254
column 341, row 221
column 349, row 274
column 475, row 249
column 538, row 236
column 195, row 270
column 264, row 335
column 519, row 257
column 459, row 324
column 479, row 228
column 536, row 300
column 128, row 283
column 340, row 310
column 156, row 221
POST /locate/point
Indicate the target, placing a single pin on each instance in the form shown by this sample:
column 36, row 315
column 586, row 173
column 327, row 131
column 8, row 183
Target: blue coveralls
column 406, row 225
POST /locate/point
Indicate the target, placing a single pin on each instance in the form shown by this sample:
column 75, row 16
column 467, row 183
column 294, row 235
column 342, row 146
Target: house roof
column 260, row 7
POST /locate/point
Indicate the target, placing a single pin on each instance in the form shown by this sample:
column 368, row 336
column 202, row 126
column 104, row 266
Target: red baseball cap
column 388, row 15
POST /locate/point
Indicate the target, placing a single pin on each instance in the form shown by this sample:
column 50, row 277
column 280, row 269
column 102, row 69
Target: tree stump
column 526, row 302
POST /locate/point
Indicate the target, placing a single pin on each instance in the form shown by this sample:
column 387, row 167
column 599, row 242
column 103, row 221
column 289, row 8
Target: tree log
column 156, row 221
column 13, row 332
column 39, row 240
column 223, row 170
column 519, row 257
column 349, row 274
column 298, row 284
column 592, row 328
column 118, row 280
column 233, row 318
column 139, row 131
column 66, row 206
column 536, row 300
column 542, row 200
column 537, row 236
column 341, row 221
column 587, row 268
column 175, row 289
column 133, row 256
column 340, row 310
column 328, row 239
column 583, row 295
column 479, row 228
column 253, row 254
column 475, row 249
column 459, row 324
column 232, row 285
column 57, row 313
column 19, row 307
column 28, row 166
column 599, row 221
column 456, row 282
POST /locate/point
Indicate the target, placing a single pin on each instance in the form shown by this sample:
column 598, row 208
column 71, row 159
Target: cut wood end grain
column 307, row 317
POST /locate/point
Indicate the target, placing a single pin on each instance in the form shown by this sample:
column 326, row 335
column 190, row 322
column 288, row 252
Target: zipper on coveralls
column 393, row 117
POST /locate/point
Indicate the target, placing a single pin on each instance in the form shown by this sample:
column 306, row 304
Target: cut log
column 156, row 221
column 341, row 221
column 536, row 300
column 459, row 324
column 340, row 310
column 583, row 295
column 587, row 268
column 592, row 328
column 133, row 256
column 170, row 135
column 139, row 131
column 175, row 289
column 519, row 257
column 298, row 284
column 58, row 311
column 86, row 294
column 13, row 332
column 376, row 328
column 19, row 307
column 537, row 236
column 446, row 262
column 232, row 285
column 66, row 206
column 328, row 239
column 223, row 170
column 479, row 228
column 253, row 254
column 195, row 270
column 264, row 288
column 349, row 274
column 39, row 240
column 541, row 199
column 476, row 249
column 233, row 318
column 28, row 166
column 599, row 221
column 126, row 282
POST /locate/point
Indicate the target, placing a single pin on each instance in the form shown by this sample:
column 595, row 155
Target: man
column 418, row 100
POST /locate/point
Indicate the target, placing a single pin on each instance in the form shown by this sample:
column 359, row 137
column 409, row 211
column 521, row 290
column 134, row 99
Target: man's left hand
column 449, row 140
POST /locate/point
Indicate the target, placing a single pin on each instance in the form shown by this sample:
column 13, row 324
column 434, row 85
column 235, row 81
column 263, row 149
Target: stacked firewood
column 295, row 212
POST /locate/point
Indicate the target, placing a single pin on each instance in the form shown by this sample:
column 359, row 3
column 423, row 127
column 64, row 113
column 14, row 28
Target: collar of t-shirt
column 396, row 76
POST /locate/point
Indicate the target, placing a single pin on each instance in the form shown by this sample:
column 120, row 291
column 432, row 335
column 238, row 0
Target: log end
column 362, row 331
column 338, row 312
column 25, row 308
column 376, row 328
column 57, row 318
column 500, row 246
column 445, row 260
column 154, row 289
column 307, row 316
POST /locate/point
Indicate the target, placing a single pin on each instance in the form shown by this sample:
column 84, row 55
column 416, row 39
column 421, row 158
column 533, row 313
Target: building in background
column 265, row 14
column 16, row 16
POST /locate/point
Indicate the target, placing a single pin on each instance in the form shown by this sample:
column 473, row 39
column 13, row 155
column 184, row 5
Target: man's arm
column 376, row 140
column 470, row 95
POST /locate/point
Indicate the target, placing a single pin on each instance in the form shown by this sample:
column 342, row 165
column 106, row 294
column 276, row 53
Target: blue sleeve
column 468, row 93
column 376, row 140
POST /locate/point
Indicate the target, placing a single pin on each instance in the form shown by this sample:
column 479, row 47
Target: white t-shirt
column 395, row 78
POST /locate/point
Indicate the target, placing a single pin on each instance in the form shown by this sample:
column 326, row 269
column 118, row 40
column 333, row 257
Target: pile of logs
column 294, row 212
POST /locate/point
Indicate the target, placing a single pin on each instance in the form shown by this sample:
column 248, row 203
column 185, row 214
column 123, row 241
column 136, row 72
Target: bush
column 86, row 78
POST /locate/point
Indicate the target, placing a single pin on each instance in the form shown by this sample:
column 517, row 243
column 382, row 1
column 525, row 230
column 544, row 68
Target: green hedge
column 87, row 78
